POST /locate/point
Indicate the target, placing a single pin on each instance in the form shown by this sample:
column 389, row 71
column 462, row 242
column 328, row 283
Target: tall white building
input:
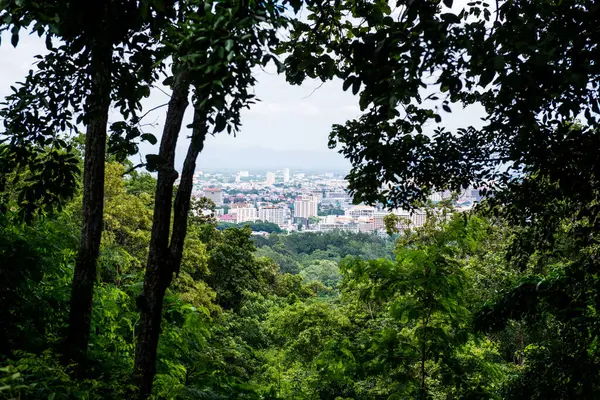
column 215, row 194
column 286, row 175
column 270, row 178
column 244, row 214
column 272, row 214
column 305, row 207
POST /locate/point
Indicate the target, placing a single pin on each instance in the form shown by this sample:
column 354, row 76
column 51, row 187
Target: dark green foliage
column 33, row 294
column 339, row 244
column 258, row 226
column 233, row 270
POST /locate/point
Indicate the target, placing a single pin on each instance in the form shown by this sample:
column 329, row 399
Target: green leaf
column 347, row 83
column 14, row 39
column 448, row 3
column 220, row 123
column 148, row 137
column 486, row 77
column 356, row 86
column 499, row 63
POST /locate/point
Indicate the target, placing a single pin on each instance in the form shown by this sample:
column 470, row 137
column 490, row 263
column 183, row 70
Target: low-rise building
column 360, row 211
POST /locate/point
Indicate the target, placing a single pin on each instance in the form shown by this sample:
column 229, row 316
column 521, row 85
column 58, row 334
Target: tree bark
column 184, row 191
column 159, row 271
column 82, row 290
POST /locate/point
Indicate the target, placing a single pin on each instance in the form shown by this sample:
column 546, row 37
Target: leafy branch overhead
column 528, row 63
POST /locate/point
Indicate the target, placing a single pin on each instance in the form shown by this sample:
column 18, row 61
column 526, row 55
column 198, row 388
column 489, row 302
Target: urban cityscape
column 302, row 201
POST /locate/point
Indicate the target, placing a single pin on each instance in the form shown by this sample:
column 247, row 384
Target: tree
column 324, row 271
column 218, row 45
column 81, row 77
column 423, row 347
column 233, row 268
column 408, row 72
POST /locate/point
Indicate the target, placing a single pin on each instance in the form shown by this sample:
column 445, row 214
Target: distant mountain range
column 253, row 158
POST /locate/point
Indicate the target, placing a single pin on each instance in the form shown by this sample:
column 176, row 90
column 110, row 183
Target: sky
column 289, row 127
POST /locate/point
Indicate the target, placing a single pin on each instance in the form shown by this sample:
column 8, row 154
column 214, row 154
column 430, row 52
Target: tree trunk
column 159, row 274
column 159, row 271
column 184, row 192
column 82, row 290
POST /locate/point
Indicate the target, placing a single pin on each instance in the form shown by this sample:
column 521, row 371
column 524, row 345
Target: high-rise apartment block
column 286, row 175
column 270, row 178
column 272, row 214
column 305, row 207
column 215, row 194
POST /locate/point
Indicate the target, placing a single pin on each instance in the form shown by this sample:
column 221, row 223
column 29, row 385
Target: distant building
column 244, row 174
column 349, row 227
column 270, row 178
column 342, row 202
column 365, row 226
column 476, row 194
column 272, row 214
column 286, row 175
column 318, row 195
column 305, row 207
column 360, row 211
column 227, row 218
column 378, row 220
column 338, row 194
column 417, row 218
column 435, row 197
column 244, row 214
column 407, row 220
column 215, row 194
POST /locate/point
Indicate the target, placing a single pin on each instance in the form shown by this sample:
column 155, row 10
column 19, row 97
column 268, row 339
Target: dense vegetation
column 308, row 315
column 257, row 226
column 236, row 324
column 113, row 285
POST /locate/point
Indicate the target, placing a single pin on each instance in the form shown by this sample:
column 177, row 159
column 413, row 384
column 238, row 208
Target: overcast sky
column 291, row 124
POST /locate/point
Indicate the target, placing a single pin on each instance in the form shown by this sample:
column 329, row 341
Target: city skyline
column 299, row 201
